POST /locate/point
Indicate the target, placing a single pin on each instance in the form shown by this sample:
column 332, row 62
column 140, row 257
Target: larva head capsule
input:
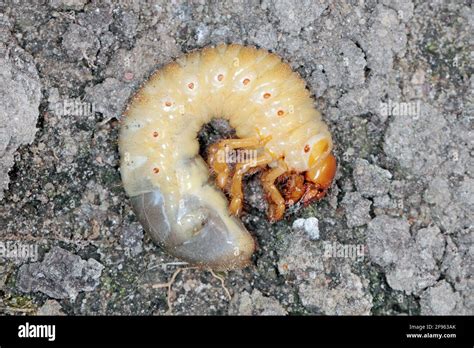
column 321, row 169
column 322, row 174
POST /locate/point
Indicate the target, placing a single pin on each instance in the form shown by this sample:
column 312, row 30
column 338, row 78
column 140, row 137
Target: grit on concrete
column 393, row 81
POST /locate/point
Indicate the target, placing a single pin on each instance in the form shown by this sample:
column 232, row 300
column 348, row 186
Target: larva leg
column 236, row 192
column 218, row 166
column 253, row 142
column 277, row 204
column 216, row 159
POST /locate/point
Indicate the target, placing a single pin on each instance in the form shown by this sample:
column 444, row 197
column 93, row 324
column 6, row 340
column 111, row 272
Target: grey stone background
column 404, row 188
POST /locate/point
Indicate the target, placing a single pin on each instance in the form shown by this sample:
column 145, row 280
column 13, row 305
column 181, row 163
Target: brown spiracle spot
column 156, row 170
column 280, row 113
column 190, row 85
column 267, row 95
column 306, row 148
column 246, row 82
column 168, row 104
column 220, row 77
column 155, row 134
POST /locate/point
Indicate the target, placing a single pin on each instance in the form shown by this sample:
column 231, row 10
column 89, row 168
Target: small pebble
column 310, row 226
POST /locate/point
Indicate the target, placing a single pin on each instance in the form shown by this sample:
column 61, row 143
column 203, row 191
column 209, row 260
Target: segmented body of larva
column 168, row 182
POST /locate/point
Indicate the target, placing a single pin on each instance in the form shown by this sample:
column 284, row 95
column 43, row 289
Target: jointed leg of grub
column 236, row 192
column 219, row 167
column 217, row 155
column 277, row 206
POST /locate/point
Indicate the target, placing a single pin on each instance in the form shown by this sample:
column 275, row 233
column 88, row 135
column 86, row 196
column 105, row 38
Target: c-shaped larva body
column 168, row 182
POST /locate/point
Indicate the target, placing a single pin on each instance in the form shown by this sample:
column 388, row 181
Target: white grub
column 162, row 172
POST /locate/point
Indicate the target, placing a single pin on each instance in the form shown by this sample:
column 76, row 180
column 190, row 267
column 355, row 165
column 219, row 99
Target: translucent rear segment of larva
column 169, row 183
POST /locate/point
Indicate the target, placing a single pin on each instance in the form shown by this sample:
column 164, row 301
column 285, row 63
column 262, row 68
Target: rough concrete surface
column 393, row 81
